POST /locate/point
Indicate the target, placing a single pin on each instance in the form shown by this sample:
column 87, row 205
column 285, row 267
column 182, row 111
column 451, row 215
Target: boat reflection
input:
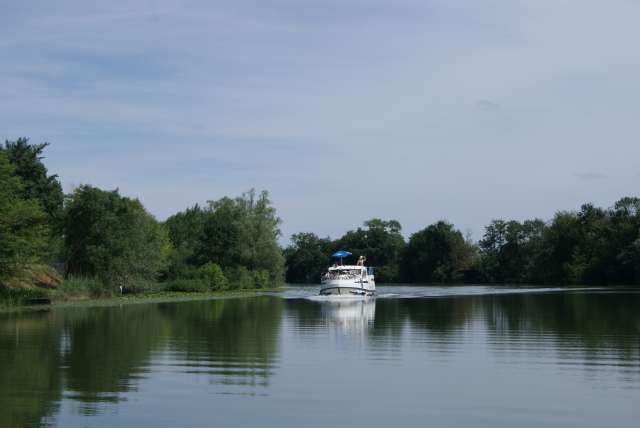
column 351, row 317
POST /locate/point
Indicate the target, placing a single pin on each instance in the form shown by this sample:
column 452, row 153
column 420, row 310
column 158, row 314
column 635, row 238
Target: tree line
column 232, row 243
column 591, row 246
column 114, row 242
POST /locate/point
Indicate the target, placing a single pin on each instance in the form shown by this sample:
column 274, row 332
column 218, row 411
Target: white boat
column 348, row 280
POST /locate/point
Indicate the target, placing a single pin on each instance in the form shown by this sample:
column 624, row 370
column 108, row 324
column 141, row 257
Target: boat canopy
column 341, row 254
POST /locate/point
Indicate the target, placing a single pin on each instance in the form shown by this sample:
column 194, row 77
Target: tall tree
column 185, row 230
column 307, row 258
column 509, row 250
column 241, row 235
column 112, row 237
column 625, row 218
column 437, row 254
column 23, row 224
column 381, row 241
column 38, row 185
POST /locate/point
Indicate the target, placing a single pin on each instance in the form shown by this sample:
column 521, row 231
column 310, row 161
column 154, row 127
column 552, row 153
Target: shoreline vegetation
column 98, row 244
column 57, row 299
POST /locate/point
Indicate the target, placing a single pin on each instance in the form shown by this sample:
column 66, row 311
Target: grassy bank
column 152, row 297
column 78, row 291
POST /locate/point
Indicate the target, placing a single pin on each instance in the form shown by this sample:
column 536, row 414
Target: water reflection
column 88, row 360
column 233, row 341
column 106, row 351
column 30, row 359
column 353, row 317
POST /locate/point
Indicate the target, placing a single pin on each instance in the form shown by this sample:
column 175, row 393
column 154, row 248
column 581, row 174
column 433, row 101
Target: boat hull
column 346, row 291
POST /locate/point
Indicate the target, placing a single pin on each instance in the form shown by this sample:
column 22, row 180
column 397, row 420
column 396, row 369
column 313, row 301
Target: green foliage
column 184, row 231
column 109, row 241
column 23, row 224
column 240, row 278
column 261, row 278
column 438, row 254
column 508, row 247
column 307, row 258
column 46, row 189
column 237, row 236
column 80, row 286
column 112, row 237
column 17, row 297
column 213, row 276
column 590, row 246
column 381, row 242
column 186, row 285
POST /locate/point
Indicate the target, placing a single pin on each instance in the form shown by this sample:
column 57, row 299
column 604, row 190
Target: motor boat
column 348, row 280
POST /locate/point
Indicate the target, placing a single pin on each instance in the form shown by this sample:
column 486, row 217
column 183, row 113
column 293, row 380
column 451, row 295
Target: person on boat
column 361, row 260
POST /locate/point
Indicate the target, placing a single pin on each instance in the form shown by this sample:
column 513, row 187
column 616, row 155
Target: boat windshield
column 344, row 273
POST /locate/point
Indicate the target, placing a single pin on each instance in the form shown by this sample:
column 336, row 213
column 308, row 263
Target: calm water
column 415, row 356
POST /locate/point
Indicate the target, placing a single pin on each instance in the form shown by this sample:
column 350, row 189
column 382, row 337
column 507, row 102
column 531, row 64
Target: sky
column 344, row 110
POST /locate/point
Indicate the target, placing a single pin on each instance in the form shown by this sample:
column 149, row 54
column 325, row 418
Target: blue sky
column 466, row 110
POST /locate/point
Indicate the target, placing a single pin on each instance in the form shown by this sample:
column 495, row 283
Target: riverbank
column 58, row 300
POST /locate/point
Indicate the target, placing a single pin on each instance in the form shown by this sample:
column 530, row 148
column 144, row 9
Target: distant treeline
column 589, row 246
column 111, row 241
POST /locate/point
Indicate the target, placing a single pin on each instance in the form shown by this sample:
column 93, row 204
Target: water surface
column 442, row 356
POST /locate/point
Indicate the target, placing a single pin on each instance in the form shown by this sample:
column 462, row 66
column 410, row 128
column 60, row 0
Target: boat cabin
column 348, row 272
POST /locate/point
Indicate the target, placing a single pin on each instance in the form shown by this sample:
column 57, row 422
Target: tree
column 27, row 160
column 185, row 230
column 559, row 240
column 625, row 218
column 112, row 237
column 307, row 258
column 23, row 224
column 242, row 234
column 438, row 254
column 381, row 242
column 592, row 258
column 510, row 250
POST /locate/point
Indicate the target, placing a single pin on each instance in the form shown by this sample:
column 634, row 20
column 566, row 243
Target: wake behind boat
column 348, row 280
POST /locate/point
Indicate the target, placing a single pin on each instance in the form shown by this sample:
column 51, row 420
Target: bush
column 112, row 237
column 240, row 278
column 191, row 285
column 81, row 286
column 261, row 278
column 141, row 285
column 16, row 297
column 213, row 275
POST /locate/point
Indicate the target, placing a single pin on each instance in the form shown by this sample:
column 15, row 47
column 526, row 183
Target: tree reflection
column 595, row 322
column 233, row 340
column 30, row 382
column 107, row 350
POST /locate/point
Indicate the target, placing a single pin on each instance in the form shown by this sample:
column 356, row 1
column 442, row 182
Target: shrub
column 240, row 278
column 198, row 285
column 75, row 285
column 213, row 275
column 261, row 278
column 16, row 297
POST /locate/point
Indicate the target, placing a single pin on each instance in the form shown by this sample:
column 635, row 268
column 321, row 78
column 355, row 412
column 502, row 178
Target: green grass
column 19, row 297
column 78, row 286
column 79, row 290
column 82, row 291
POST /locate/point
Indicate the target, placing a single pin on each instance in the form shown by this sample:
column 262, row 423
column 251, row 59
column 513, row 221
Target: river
column 413, row 356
